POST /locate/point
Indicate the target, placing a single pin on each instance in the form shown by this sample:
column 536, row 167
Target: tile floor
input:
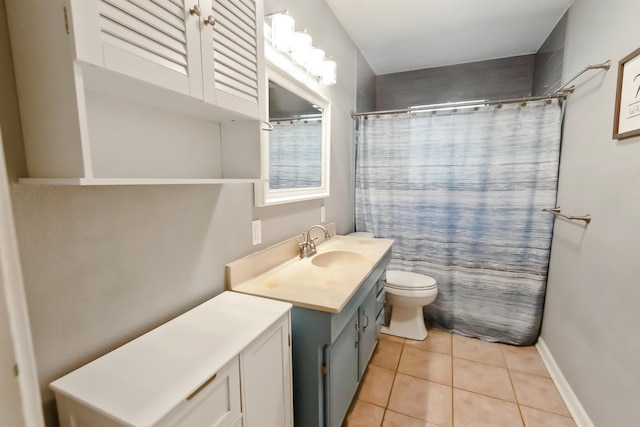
column 449, row 380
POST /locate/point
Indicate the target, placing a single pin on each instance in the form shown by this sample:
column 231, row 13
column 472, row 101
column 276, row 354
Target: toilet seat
column 408, row 281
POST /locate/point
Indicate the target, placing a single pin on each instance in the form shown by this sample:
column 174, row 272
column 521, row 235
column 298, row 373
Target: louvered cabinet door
column 231, row 51
column 157, row 41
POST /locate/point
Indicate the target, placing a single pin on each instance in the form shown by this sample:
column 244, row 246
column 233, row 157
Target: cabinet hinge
column 289, row 340
column 16, row 372
column 324, row 370
column 66, row 20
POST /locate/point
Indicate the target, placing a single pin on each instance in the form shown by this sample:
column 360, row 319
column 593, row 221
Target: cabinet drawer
column 215, row 403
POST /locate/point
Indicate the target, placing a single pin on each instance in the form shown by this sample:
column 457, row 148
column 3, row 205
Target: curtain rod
column 561, row 93
column 462, row 104
column 308, row 117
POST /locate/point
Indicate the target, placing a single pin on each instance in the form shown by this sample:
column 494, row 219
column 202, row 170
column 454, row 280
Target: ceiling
column 403, row 35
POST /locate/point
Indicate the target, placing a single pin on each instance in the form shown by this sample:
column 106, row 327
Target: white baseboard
column 580, row 416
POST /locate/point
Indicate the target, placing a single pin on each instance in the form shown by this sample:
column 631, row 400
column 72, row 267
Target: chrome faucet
column 308, row 245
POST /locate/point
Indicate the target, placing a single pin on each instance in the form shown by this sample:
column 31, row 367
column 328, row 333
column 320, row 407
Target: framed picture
column 626, row 122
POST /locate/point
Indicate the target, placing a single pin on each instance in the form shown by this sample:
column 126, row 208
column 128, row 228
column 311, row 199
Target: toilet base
column 406, row 322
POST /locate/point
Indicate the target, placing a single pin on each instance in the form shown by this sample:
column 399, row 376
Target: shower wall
column 493, row 79
column 514, row 77
column 547, row 73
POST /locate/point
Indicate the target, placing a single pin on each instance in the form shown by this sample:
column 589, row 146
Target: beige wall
column 592, row 309
column 103, row 265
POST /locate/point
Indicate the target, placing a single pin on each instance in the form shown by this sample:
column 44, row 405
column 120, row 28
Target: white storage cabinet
column 139, row 91
column 227, row 362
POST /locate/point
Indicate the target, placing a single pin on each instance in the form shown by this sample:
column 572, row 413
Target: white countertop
column 143, row 380
column 304, row 284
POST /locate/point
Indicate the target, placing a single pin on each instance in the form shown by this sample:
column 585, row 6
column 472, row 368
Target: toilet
column 407, row 293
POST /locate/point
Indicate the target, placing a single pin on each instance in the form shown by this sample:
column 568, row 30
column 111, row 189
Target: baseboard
column 580, row 416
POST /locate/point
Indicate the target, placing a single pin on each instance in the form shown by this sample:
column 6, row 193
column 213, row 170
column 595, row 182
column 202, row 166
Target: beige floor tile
column 364, row 414
column 524, row 359
column 392, row 338
column 394, row 419
column 386, row 355
column 481, row 378
column 477, row 350
column 426, row 365
column 537, row 418
column 376, row 386
column 421, row 399
column 475, row 410
column 437, row 340
column 538, row 392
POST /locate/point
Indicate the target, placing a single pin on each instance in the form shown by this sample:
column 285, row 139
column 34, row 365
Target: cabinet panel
column 215, row 403
column 342, row 378
column 154, row 41
column 267, row 379
column 236, row 48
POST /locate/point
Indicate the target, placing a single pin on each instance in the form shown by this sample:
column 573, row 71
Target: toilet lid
column 407, row 280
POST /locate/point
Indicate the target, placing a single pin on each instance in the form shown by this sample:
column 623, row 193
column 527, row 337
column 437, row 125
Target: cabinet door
column 341, row 382
column 266, row 374
column 231, row 49
column 370, row 329
column 157, row 41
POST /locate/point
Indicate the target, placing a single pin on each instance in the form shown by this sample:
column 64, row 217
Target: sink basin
column 337, row 259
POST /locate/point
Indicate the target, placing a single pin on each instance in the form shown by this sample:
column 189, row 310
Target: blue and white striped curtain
column 461, row 193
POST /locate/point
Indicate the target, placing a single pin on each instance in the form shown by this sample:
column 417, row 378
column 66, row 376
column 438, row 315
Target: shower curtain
column 461, row 192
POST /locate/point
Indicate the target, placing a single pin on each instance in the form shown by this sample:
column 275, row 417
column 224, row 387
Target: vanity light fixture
column 279, row 31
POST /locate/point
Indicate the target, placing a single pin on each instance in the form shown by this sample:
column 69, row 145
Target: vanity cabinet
column 331, row 352
column 226, row 362
column 140, row 91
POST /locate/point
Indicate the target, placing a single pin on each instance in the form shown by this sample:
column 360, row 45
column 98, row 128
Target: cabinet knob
column 195, row 10
column 210, row 20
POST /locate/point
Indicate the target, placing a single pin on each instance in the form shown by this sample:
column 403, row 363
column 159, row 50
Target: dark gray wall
column 366, row 85
column 494, row 79
column 547, row 73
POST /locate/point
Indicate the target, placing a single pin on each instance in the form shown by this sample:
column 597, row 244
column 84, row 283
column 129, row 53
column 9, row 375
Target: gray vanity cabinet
column 331, row 352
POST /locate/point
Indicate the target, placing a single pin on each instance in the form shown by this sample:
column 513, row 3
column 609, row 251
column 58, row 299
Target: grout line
column 453, row 421
column 513, row 388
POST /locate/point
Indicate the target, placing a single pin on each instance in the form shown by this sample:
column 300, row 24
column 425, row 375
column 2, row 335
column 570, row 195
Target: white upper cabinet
column 207, row 49
column 140, row 91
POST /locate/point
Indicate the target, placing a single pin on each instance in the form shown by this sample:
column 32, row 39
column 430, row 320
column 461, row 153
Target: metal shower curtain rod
column 560, row 93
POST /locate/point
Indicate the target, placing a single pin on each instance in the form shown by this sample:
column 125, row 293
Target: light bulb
column 282, row 27
column 300, row 48
column 329, row 72
column 315, row 61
